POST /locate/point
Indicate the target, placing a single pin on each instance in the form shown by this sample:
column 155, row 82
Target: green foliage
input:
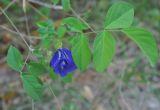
column 74, row 24
column 104, row 50
column 45, row 11
column 14, row 59
column 46, row 32
column 141, row 77
column 36, row 68
column 145, row 42
column 71, row 106
column 81, row 52
column 61, row 31
column 66, row 5
column 57, row 44
column 119, row 15
column 51, row 73
column 45, row 28
column 5, row 2
column 67, row 78
column 37, row 53
column 32, row 85
column 55, row 1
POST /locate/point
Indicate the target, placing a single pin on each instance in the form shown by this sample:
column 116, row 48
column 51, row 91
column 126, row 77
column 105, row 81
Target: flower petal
column 62, row 62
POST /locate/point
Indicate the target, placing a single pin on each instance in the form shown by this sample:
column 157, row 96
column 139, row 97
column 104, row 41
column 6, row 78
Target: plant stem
column 82, row 20
column 59, row 106
column 33, row 107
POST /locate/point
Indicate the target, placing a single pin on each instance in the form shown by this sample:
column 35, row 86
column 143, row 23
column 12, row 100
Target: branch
column 8, row 6
column 55, row 7
column 14, row 32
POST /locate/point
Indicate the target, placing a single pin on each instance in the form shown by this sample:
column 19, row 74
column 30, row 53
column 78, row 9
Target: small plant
column 61, row 60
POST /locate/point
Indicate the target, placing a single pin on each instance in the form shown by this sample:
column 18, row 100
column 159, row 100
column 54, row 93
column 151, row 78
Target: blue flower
column 62, row 62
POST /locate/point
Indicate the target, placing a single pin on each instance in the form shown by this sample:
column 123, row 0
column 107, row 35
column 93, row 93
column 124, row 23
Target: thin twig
column 4, row 105
column 14, row 32
column 27, row 28
column 55, row 7
column 121, row 94
column 95, row 32
column 109, row 30
column 26, row 22
column 25, row 62
column 30, row 40
column 22, row 37
column 142, row 98
column 59, row 106
column 82, row 20
column 8, row 6
column 33, row 107
column 39, row 12
column 15, row 28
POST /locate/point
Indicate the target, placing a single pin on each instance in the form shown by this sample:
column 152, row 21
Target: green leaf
column 36, row 68
column 145, row 42
column 81, row 52
column 45, row 28
column 37, row 53
column 55, row 1
column 61, row 31
column 67, row 78
column 46, row 42
column 120, row 15
column 71, row 40
column 66, row 5
column 57, row 44
column 46, row 32
column 52, row 74
column 103, row 50
column 45, row 11
column 74, row 24
column 14, row 59
column 32, row 86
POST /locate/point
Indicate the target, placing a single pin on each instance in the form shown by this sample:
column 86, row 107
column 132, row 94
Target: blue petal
column 66, row 53
column 62, row 62
column 55, row 59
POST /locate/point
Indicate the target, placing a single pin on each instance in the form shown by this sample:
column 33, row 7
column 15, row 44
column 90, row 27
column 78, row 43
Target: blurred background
column 130, row 83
